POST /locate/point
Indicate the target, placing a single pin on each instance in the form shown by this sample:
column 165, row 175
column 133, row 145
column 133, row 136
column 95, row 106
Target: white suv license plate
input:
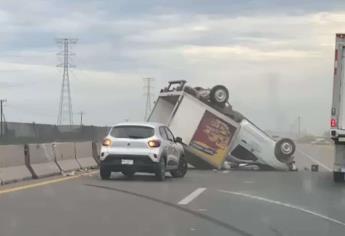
column 127, row 162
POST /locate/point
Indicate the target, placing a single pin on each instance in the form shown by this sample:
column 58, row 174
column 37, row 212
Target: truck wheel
column 338, row 177
column 104, row 173
column 181, row 170
column 284, row 150
column 219, row 94
column 160, row 173
column 128, row 172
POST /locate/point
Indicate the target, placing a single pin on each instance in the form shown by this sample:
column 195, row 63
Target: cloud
column 264, row 52
column 246, row 53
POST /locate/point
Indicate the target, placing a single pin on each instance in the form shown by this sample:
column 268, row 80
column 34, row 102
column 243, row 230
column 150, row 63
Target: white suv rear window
column 134, row 132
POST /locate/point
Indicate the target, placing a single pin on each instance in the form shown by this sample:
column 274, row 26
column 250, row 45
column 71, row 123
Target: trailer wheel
column 219, row 94
column 338, row 177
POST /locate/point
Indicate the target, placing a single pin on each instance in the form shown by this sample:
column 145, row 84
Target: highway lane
column 307, row 154
column 270, row 203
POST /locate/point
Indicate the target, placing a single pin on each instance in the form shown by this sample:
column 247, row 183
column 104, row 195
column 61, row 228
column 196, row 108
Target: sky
column 275, row 57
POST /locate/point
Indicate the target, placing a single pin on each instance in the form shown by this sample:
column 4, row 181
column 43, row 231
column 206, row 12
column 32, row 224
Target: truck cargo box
column 206, row 133
column 213, row 132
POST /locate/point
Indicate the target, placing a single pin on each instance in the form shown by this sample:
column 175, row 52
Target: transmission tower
column 148, row 93
column 65, row 115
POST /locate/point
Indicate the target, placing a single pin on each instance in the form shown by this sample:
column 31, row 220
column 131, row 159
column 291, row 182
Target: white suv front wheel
column 104, row 173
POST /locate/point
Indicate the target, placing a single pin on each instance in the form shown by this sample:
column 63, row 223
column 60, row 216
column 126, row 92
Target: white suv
column 142, row 147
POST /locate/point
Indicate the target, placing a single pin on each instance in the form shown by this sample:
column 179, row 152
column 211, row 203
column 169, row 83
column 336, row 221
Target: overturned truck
column 212, row 132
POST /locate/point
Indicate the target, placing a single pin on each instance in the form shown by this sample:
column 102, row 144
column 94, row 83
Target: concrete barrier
column 65, row 156
column 13, row 164
column 42, row 160
column 96, row 149
column 84, row 154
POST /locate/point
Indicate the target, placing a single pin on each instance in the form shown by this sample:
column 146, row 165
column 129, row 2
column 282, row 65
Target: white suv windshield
column 135, row 132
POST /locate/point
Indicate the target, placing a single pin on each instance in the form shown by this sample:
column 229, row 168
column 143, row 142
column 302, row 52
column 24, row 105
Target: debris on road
column 71, row 173
column 315, row 168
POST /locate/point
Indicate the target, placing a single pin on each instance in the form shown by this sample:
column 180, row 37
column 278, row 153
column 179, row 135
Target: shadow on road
column 137, row 178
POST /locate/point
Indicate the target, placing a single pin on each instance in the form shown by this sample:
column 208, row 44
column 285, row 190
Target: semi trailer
column 337, row 123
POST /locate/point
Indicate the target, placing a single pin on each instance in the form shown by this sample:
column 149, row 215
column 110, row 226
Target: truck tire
column 219, row 95
column 181, row 170
column 338, row 177
column 104, row 173
column 160, row 173
column 284, row 150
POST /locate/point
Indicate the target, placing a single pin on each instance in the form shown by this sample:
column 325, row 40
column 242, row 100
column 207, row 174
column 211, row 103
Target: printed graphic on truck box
column 212, row 138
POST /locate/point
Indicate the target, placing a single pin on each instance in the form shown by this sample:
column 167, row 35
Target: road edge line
column 314, row 160
column 283, row 204
column 46, row 182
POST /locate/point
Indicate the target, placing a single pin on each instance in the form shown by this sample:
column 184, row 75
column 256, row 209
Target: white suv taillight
column 154, row 143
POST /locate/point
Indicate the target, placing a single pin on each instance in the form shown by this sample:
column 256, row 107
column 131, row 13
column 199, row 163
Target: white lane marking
column 314, row 160
column 285, row 205
column 191, row 196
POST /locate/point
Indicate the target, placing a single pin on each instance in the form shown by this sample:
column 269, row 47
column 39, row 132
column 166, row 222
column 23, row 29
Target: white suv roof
column 149, row 124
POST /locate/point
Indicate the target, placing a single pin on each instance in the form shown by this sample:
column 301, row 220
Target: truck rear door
column 207, row 133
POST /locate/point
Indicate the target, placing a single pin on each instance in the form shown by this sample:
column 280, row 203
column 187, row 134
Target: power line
column 65, row 115
column 148, row 93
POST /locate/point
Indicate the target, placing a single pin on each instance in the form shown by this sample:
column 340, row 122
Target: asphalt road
column 202, row 203
column 307, row 154
column 236, row 202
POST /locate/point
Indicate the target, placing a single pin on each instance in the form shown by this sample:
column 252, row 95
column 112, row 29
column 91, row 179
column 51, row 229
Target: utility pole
column 299, row 126
column 2, row 101
column 81, row 117
column 65, row 115
column 148, row 94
